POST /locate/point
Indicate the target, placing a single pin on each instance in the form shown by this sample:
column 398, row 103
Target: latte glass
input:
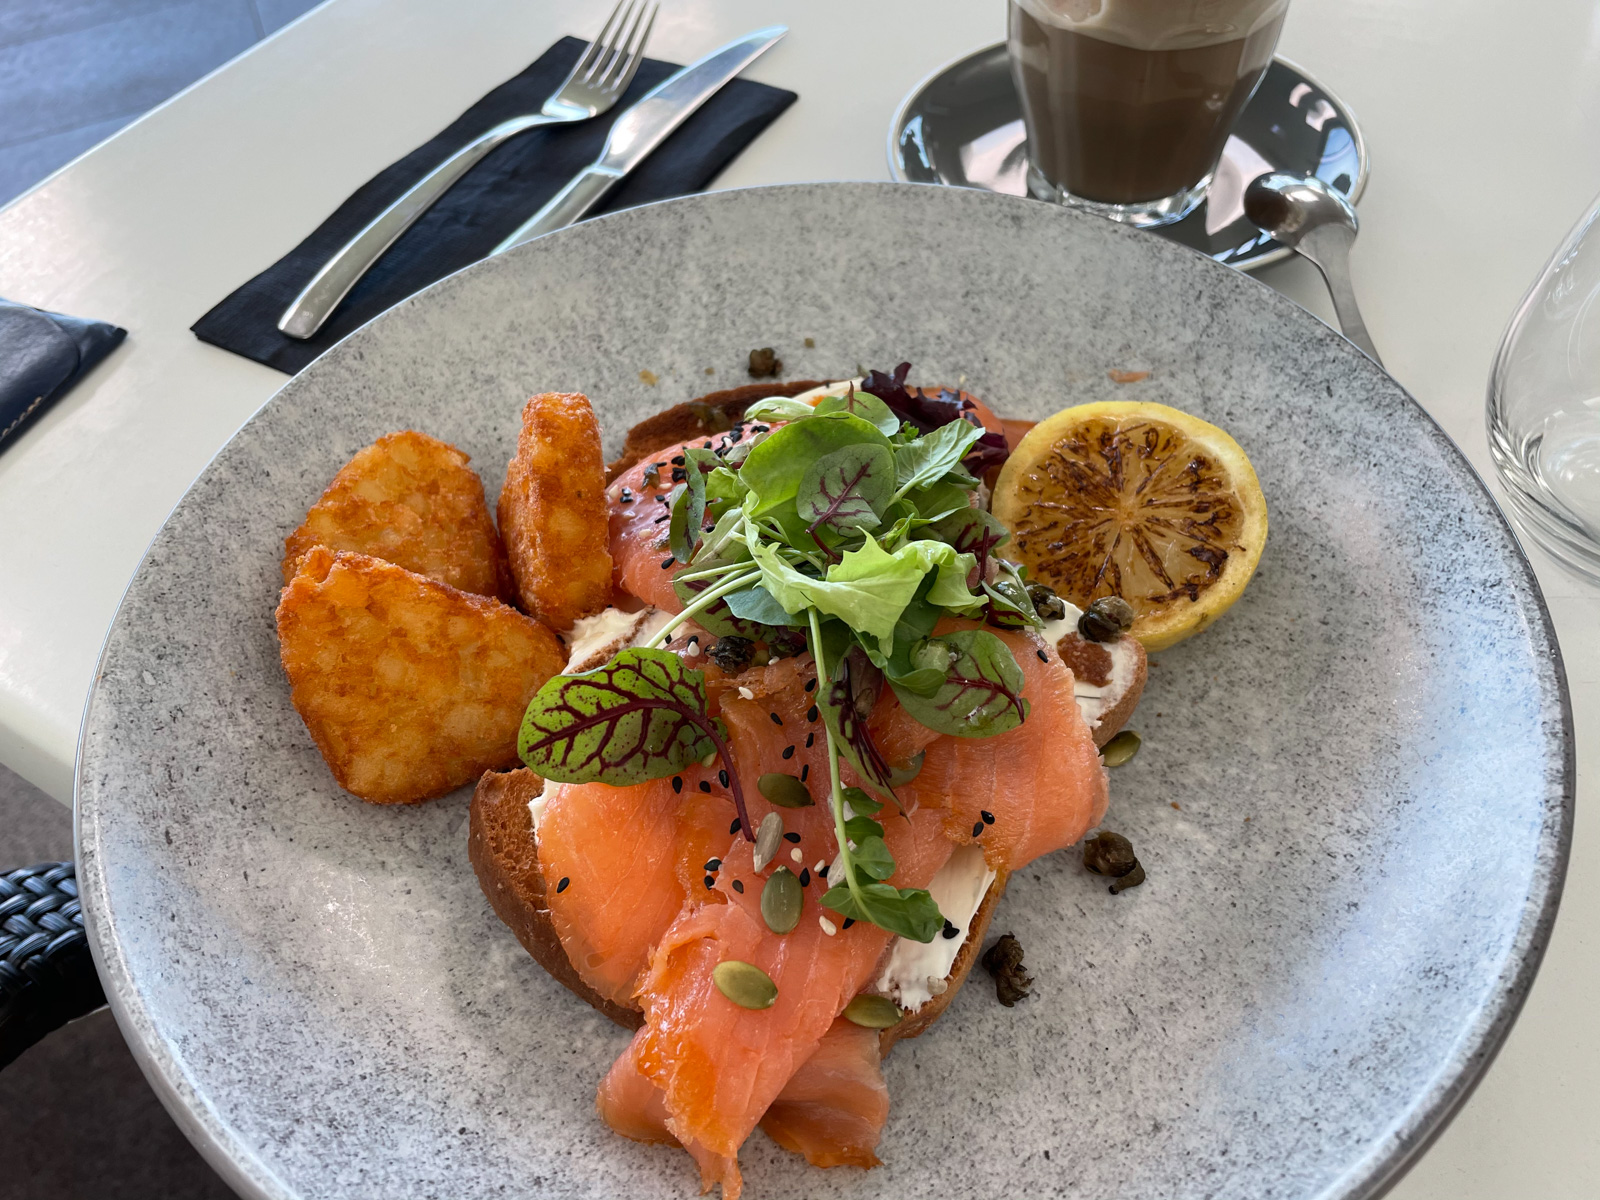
column 1544, row 404
column 1128, row 103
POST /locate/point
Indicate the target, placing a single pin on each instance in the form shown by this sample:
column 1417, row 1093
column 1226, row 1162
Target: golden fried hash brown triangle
column 410, row 687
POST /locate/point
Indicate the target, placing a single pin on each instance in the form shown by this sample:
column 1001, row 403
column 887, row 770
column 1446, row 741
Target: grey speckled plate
column 1354, row 798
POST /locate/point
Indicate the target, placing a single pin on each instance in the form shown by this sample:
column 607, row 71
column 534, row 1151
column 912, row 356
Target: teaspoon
column 1307, row 215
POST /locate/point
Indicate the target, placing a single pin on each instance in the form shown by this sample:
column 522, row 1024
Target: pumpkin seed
column 768, row 836
column 874, row 1012
column 1120, row 748
column 780, row 901
column 746, row 985
column 785, row 791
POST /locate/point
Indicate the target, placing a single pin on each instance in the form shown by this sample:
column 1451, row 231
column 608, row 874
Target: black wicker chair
column 47, row 977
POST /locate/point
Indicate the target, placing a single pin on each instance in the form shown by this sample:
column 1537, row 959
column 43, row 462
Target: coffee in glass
column 1128, row 103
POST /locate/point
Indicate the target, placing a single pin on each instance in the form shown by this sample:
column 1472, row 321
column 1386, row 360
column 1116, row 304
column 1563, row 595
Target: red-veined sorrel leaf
column 982, row 690
column 641, row 716
column 846, row 491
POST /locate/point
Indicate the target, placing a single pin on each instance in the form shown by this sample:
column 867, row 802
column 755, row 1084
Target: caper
column 873, row 1012
column 785, row 791
column 1108, row 853
column 1108, row 618
column 1132, row 879
column 746, row 985
column 1045, row 602
column 780, row 901
column 732, row 653
column 1120, row 748
column 769, row 836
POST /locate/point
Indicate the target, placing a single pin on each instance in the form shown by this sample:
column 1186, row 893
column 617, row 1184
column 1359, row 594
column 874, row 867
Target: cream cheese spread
column 1094, row 701
column 917, row 971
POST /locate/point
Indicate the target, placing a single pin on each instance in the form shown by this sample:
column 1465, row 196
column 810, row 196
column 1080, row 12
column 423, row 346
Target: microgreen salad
column 850, row 527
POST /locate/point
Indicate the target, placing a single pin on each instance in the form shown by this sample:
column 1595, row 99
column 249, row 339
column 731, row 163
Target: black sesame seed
column 704, row 786
column 694, row 639
column 734, row 828
column 811, row 740
column 677, row 460
column 811, row 685
column 722, row 776
column 667, row 562
column 661, row 518
column 988, row 817
column 1043, row 657
column 677, row 783
column 711, row 882
column 949, row 930
column 679, row 475
column 738, row 886
column 776, row 719
column 713, row 863
column 792, row 836
column 848, row 921
column 977, row 828
column 788, row 751
column 823, row 872
column 626, row 497
column 760, row 428
column 804, row 771
column 707, row 446
column 811, row 713
column 562, row 886
column 805, row 876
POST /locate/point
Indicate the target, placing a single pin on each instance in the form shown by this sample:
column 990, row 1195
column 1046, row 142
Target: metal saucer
column 962, row 126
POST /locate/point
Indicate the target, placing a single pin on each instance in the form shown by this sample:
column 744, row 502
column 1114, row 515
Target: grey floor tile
column 81, row 1124
column 54, row 84
column 275, row 14
column 25, row 164
column 24, row 20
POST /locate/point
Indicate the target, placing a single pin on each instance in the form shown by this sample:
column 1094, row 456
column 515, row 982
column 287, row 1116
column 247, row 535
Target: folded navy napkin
column 42, row 354
column 495, row 197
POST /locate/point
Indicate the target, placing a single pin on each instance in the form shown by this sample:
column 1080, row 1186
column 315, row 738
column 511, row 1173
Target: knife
column 641, row 129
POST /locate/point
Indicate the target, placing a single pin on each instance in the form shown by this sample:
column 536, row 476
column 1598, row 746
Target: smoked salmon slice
column 1037, row 788
column 618, row 863
column 834, row 1108
column 719, row 1067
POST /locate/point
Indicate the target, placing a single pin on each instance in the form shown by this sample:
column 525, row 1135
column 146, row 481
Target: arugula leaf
column 847, row 490
column 909, row 912
column 641, row 716
column 778, row 408
column 864, row 405
column 776, row 465
column 982, row 690
column 932, row 456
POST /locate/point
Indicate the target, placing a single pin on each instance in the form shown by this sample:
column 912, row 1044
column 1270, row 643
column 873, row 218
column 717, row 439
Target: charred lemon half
column 1136, row 500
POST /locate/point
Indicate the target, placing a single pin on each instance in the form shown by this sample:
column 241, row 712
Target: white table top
column 152, row 228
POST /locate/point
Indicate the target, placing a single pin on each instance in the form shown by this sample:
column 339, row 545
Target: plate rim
column 1369, row 1177
column 1358, row 187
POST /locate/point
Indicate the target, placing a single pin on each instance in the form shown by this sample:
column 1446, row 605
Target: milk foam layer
column 1156, row 24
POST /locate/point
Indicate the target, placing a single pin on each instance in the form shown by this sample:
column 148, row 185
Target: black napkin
column 495, row 197
column 42, row 354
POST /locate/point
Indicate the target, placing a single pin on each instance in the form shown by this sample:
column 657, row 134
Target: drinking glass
column 1128, row 103
column 1544, row 404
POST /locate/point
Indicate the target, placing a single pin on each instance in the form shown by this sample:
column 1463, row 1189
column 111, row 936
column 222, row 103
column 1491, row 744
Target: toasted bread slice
column 409, row 499
column 409, row 687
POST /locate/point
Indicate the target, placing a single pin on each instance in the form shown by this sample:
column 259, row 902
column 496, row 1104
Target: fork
column 600, row 77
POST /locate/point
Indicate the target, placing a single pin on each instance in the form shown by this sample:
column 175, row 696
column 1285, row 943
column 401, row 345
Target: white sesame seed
column 746, row 694
column 817, row 870
column 796, row 855
column 692, row 649
column 828, row 927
